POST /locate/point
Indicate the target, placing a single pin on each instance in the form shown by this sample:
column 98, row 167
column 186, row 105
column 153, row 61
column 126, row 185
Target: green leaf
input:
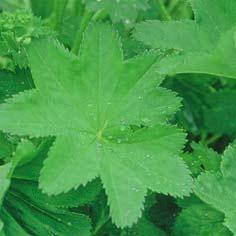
column 31, row 170
column 6, row 63
column 42, row 8
column 38, row 220
column 89, row 105
column 16, row 30
column 200, row 220
column 11, row 83
column 219, row 189
column 220, row 112
column 1, row 226
column 228, row 166
column 12, row 5
column 6, row 147
column 194, row 89
column 126, row 10
column 205, row 45
column 11, row 227
column 4, row 180
column 163, row 212
column 189, row 201
column 202, row 158
column 74, row 198
column 24, row 153
column 142, row 228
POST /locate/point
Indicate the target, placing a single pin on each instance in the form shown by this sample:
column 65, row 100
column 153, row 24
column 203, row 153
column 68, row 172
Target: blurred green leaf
column 200, row 220
column 4, row 180
column 220, row 112
column 218, row 189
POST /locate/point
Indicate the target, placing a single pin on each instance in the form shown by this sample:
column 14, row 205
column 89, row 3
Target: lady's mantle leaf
column 43, row 219
column 89, row 104
column 205, row 45
column 82, row 196
column 220, row 112
column 200, row 220
column 219, row 189
column 11, row 226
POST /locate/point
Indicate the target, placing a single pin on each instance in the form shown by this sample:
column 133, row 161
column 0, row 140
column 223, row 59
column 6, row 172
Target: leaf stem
column 212, row 139
column 27, row 4
column 100, row 15
column 173, row 5
column 162, row 10
column 78, row 38
column 78, row 8
column 100, row 225
column 58, row 13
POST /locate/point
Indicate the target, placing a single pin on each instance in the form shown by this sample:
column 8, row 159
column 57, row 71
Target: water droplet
column 99, row 145
column 127, row 21
column 135, row 190
column 122, row 128
column 119, row 140
column 145, row 120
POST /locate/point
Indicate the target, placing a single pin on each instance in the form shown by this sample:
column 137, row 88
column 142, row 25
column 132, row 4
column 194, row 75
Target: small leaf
column 220, row 112
column 142, row 228
column 45, row 220
column 218, row 189
column 4, row 180
column 74, row 198
column 200, row 220
column 24, row 153
column 11, row 227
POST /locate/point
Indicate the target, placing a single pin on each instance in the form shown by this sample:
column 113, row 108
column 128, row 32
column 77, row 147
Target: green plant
column 114, row 115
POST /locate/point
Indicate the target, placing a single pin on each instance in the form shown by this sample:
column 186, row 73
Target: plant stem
column 27, row 4
column 99, row 15
column 173, row 5
column 100, row 226
column 58, row 13
column 162, row 10
column 212, row 139
column 78, row 38
column 78, row 8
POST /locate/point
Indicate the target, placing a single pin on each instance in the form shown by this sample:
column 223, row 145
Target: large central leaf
column 96, row 106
